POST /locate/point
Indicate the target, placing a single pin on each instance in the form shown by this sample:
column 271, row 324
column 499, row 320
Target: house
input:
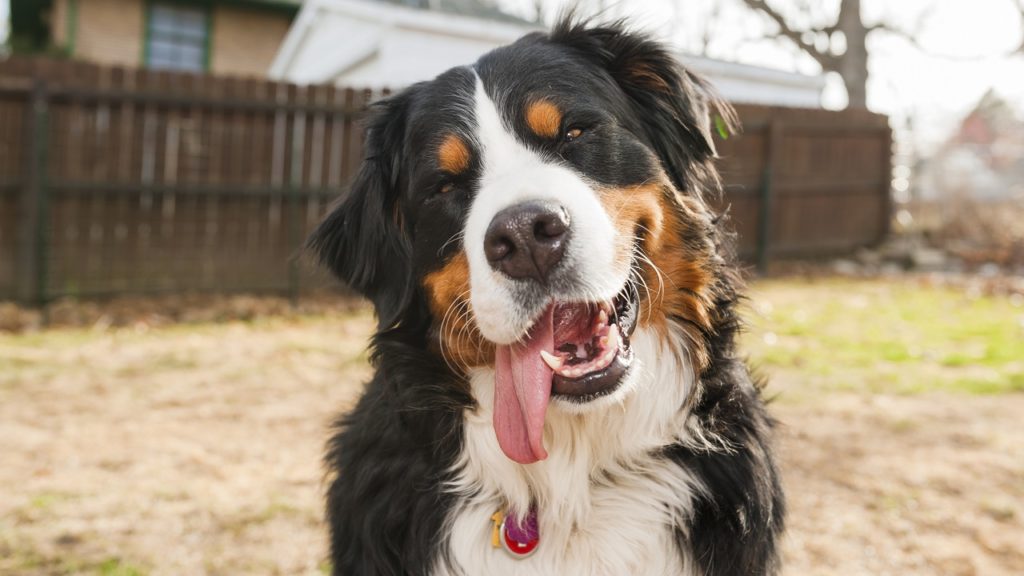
column 237, row 37
column 983, row 159
column 394, row 43
column 389, row 44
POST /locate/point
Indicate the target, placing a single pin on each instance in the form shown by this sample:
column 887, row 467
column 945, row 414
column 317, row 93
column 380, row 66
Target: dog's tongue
column 522, row 388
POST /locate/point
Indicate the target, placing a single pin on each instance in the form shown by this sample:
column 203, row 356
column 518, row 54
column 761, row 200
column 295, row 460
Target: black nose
column 527, row 240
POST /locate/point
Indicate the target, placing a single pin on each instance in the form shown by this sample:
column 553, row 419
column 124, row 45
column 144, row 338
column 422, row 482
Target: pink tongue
column 522, row 388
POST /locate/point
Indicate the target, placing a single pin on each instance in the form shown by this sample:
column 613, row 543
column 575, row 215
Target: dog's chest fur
column 608, row 503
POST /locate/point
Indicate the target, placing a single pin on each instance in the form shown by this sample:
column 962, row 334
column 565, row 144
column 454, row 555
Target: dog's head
column 537, row 208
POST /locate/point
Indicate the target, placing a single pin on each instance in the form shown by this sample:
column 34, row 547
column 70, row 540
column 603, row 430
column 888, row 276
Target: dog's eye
column 445, row 188
column 572, row 134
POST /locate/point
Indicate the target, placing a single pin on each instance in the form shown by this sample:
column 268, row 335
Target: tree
column 841, row 46
column 831, row 32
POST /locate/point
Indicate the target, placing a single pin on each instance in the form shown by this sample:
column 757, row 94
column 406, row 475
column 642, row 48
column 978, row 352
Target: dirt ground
column 195, row 449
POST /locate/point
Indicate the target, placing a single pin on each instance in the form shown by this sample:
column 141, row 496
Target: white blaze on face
column 511, row 174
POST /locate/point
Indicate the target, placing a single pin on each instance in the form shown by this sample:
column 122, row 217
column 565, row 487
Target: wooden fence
column 807, row 183
column 118, row 180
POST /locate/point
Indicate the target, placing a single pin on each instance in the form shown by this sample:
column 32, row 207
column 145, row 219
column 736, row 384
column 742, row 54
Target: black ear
column 679, row 111
column 362, row 239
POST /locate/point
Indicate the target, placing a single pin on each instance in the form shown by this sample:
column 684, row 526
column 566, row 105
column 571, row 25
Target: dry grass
column 179, row 450
column 976, row 231
column 195, row 449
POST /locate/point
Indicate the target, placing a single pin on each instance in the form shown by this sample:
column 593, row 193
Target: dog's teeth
column 602, row 318
column 554, row 362
column 612, row 338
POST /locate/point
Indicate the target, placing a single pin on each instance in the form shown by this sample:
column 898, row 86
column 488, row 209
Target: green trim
column 71, row 26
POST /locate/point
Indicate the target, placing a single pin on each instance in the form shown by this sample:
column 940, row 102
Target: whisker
column 640, row 277
column 457, row 237
column 458, row 303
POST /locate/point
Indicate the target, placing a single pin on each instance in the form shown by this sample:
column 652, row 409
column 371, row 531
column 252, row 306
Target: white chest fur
column 606, row 502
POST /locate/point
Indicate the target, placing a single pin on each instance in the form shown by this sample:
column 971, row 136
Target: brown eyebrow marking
column 453, row 155
column 544, row 118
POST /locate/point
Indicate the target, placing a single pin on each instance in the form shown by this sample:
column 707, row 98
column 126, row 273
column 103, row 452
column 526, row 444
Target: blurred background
column 169, row 362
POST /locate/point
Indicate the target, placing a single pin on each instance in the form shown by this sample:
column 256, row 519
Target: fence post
column 773, row 144
column 886, row 191
column 293, row 191
column 34, row 203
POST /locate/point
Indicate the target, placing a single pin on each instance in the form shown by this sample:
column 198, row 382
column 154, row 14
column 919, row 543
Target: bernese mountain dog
column 557, row 389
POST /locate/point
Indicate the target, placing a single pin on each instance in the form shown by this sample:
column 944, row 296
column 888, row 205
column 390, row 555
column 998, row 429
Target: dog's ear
column 679, row 111
column 363, row 238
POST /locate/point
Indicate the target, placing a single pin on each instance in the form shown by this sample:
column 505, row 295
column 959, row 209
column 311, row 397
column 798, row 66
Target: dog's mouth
column 591, row 346
column 576, row 351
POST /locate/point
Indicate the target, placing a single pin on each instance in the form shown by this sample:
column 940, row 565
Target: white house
column 393, row 43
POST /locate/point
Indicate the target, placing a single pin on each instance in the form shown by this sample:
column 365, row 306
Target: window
column 177, row 37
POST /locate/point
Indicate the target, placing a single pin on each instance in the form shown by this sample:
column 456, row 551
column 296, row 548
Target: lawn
column 194, row 448
column 886, row 337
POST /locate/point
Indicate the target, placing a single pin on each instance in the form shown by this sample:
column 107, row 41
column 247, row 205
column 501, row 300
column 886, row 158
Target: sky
column 905, row 81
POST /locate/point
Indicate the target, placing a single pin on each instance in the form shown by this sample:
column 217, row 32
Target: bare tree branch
column 849, row 59
column 824, row 29
column 826, row 60
column 538, row 8
column 709, row 28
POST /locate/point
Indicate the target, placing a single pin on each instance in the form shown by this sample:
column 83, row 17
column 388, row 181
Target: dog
column 557, row 388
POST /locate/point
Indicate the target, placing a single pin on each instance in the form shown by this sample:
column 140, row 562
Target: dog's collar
column 519, row 538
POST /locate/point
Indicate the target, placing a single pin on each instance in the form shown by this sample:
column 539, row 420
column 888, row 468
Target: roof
column 747, row 84
column 474, row 8
column 309, row 53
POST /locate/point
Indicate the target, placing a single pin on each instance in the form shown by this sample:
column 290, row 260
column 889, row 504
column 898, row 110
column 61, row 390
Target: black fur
column 389, row 458
column 676, row 105
column 361, row 239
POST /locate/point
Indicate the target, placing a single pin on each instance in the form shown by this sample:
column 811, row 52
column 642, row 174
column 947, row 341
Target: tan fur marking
column 680, row 287
column 544, row 118
column 453, row 155
column 458, row 338
column 644, row 76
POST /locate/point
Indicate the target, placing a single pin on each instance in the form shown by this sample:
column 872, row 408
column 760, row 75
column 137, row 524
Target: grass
column 821, row 335
column 21, row 561
column 195, row 448
column 883, row 336
column 42, row 356
column 117, row 567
